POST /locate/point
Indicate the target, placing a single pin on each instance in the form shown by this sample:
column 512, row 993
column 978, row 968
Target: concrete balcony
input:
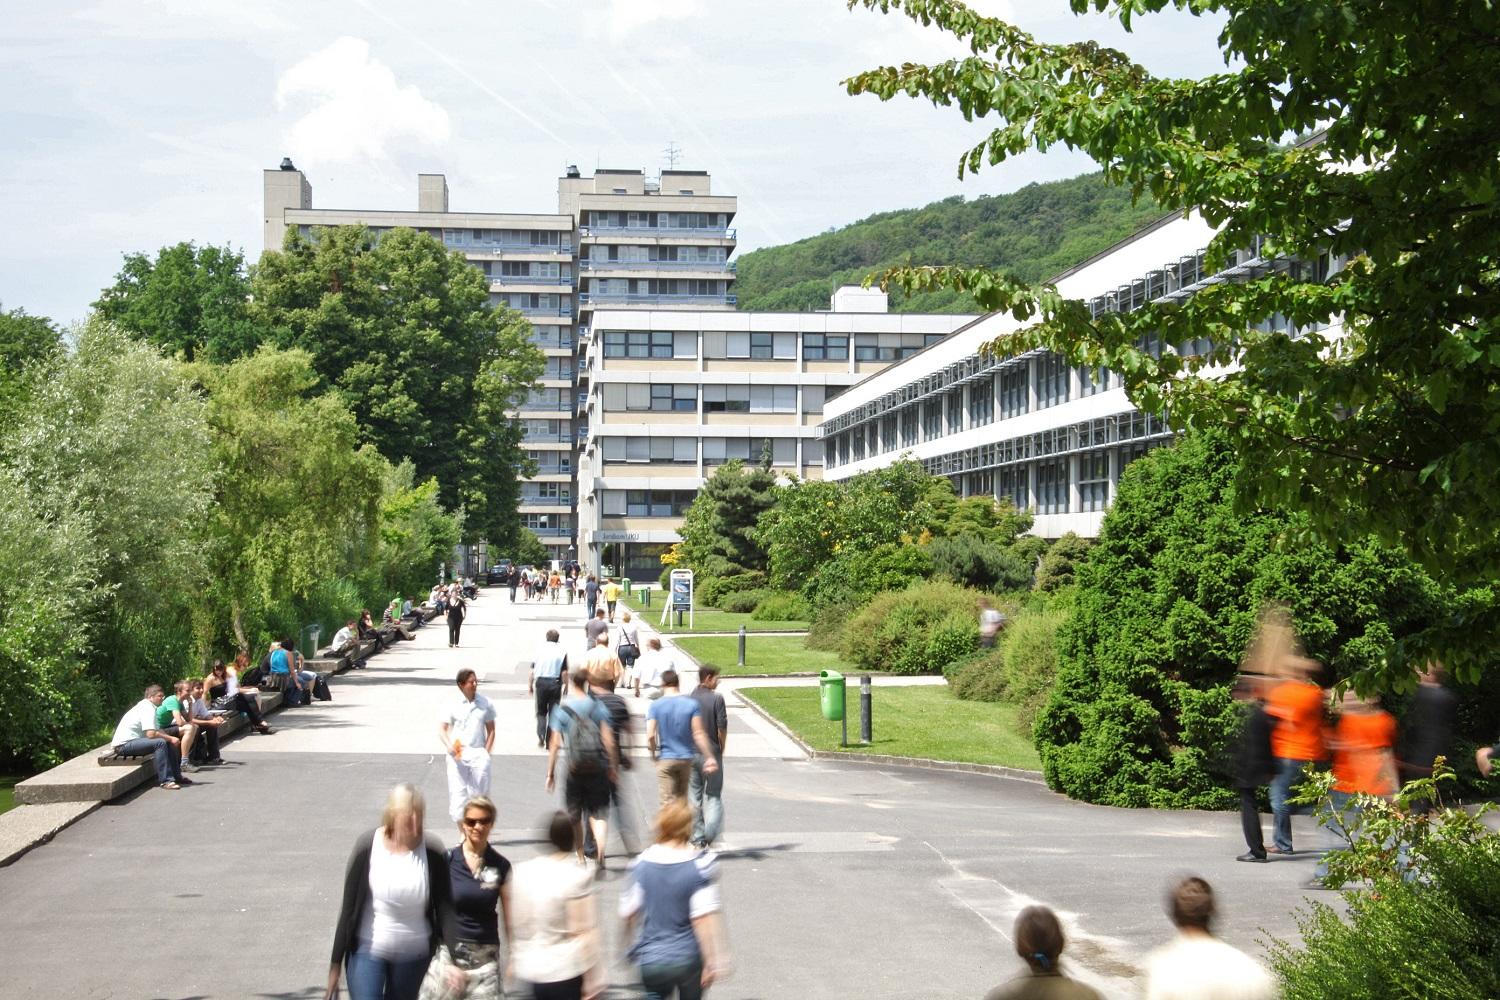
column 586, row 232
column 720, row 267
column 603, row 300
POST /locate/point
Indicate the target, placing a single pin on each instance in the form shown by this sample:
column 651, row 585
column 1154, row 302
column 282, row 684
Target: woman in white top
column 556, row 947
column 398, row 903
column 628, row 646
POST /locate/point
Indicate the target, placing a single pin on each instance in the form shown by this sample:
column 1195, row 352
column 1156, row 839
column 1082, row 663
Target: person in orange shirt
column 1296, row 706
column 1363, row 764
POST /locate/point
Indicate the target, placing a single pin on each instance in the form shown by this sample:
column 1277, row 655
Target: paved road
column 840, row 879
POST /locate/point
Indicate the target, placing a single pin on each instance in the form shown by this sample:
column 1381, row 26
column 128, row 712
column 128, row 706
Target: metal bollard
column 866, row 726
column 742, row 646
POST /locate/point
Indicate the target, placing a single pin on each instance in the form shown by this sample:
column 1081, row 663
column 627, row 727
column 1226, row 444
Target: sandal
column 170, row 786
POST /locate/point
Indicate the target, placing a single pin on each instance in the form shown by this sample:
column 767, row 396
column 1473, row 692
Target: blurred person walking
column 1296, row 704
column 1427, row 730
column 675, row 733
column 673, row 894
column 1363, row 764
column 581, row 725
column 480, row 877
column 397, row 907
column 458, row 608
column 706, row 789
column 555, row 949
column 1254, row 764
column 549, row 671
column 1196, row 965
column 619, row 719
column 1039, row 940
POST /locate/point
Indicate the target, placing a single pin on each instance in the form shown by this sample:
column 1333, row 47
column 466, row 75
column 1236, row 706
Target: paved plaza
column 840, row 879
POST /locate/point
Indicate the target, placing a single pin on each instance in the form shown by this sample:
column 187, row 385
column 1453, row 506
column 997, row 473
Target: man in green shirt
column 172, row 720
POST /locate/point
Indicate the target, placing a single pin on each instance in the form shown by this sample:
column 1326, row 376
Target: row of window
column 532, row 301
column 481, row 237
column 645, row 503
column 716, row 450
column 654, row 220
column 524, row 269
column 655, row 286
column 758, row 346
column 682, row 397
column 1046, row 486
column 646, row 255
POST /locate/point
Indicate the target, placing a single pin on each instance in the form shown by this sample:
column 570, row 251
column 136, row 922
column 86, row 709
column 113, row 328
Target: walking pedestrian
column 627, row 646
column 591, row 594
column 1296, row 703
column 612, row 592
column 1039, row 940
column 674, row 733
column 480, row 879
column 1196, row 964
column 513, row 580
column 549, row 667
column 581, row 724
column 674, row 896
column 555, row 950
column 706, row 790
column 1363, row 764
column 1255, row 765
column 458, row 608
column 468, row 735
column 1427, row 730
column 603, row 690
column 397, row 907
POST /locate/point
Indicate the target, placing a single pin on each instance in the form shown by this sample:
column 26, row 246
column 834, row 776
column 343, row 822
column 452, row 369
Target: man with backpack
column 582, row 733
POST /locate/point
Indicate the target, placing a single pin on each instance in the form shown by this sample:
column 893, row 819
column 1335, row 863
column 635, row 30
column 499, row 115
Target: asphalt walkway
column 840, row 879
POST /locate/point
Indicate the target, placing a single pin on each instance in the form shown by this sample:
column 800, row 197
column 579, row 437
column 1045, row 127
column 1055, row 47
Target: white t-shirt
column 629, row 634
column 540, row 890
column 137, row 721
column 1195, row 967
column 652, row 664
column 343, row 635
column 466, row 720
column 394, row 925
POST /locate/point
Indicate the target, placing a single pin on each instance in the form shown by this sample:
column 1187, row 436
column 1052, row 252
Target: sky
column 129, row 125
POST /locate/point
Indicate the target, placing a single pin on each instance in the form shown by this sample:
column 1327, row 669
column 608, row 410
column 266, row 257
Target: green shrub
column 1431, row 935
column 858, row 574
column 665, row 580
column 953, row 639
column 977, row 562
column 742, row 602
column 779, row 606
column 713, row 589
column 1140, row 713
column 894, row 630
column 1029, row 656
column 980, row 678
column 826, row 630
column 1060, row 562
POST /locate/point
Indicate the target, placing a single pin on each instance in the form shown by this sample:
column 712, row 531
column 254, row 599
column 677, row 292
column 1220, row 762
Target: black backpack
column 584, row 744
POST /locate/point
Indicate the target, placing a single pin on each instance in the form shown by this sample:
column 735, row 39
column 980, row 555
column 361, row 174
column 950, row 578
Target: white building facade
column 673, row 395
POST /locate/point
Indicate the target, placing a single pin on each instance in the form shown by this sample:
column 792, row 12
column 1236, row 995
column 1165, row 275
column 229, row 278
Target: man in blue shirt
column 675, row 734
column 547, row 672
column 283, row 661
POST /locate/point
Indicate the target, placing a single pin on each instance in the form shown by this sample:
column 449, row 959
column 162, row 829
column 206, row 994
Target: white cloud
column 352, row 108
column 627, row 15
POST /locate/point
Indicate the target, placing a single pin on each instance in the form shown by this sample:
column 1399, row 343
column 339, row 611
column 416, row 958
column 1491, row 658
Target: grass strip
column 764, row 654
column 908, row 721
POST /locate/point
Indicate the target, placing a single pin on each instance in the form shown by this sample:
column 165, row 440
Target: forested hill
column 1033, row 233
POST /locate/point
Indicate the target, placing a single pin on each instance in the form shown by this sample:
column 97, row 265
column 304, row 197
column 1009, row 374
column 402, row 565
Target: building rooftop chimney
column 286, row 163
column 573, row 171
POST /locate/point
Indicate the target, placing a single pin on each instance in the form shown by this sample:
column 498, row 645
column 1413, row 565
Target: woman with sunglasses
column 481, row 880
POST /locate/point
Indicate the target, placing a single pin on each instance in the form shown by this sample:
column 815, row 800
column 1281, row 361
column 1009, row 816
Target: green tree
column 719, row 534
column 1384, row 425
column 28, row 346
column 997, row 521
column 530, row 550
column 190, row 301
column 416, row 533
column 299, row 499
column 1166, row 605
column 403, row 329
column 1060, row 563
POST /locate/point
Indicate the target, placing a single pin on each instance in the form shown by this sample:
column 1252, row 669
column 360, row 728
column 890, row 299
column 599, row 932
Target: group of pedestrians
column 1293, row 727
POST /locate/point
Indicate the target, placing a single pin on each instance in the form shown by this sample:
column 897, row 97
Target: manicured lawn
column 764, row 654
column 7, row 796
column 921, row 721
column 708, row 620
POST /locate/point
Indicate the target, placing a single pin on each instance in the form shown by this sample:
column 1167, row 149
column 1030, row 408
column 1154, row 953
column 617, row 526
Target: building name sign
column 617, row 536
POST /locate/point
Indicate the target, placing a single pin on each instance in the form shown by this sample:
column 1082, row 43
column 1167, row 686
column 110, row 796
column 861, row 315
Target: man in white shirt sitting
column 137, row 735
column 1196, row 964
column 650, row 668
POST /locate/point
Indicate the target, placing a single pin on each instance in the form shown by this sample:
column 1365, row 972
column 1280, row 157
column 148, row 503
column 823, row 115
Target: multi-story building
column 1051, row 437
column 632, row 242
column 675, row 394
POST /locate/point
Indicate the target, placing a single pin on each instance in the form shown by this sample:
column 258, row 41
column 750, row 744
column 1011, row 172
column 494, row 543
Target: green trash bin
column 831, row 694
column 625, row 585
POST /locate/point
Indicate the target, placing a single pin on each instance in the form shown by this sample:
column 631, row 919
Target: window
column 1012, row 484
column 726, row 399
column 1051, row 380
column 955, row 411
column 760, row 346
column 909, row 423
column 812, row 451
column 650, row 503
column 649, row 449
column 1092, row 381
column 1093, row 480
column 888, row 433
column 1052, row 486
column 716, row 451
column 932, row 420
column 1014, row 390
column 825, row 347
column 649, row 344
column 981, row 402
column 812, row 399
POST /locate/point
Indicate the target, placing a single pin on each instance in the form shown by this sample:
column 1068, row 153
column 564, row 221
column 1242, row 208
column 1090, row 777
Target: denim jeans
column 372, row 978
column 166, row 756
column 663, row 980
column 1288, row 773
column 705, row 794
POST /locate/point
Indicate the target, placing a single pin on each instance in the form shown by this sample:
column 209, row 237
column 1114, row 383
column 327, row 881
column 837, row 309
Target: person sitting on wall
column 137, row 735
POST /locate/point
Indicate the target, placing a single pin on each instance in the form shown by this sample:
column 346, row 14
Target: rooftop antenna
column 672, row 153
